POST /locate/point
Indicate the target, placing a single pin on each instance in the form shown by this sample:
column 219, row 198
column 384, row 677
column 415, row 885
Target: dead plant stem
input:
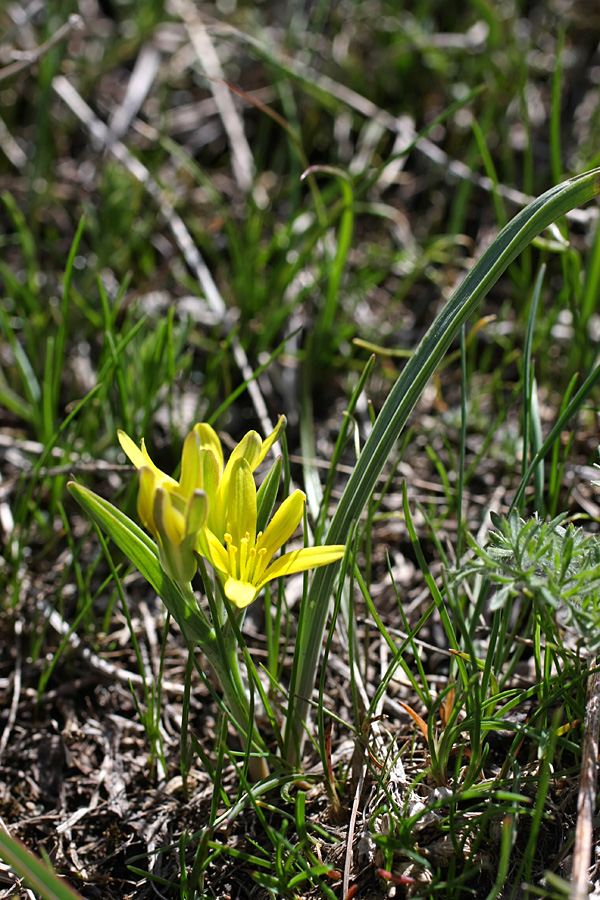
column 586, row 800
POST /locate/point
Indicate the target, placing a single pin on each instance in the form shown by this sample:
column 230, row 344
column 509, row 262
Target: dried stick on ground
column 18, row 671
column 242, row 162
column 586, row 800
column 29, row 57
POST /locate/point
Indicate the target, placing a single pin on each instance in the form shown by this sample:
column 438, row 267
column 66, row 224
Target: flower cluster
column 212, row 511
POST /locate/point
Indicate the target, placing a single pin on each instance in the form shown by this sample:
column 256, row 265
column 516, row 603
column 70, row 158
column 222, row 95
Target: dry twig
column 241, row 156
column 14, row 705
column 29, row 57
column 586, row 800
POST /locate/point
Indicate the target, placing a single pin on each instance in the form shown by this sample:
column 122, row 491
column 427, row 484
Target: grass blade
column 36, row 873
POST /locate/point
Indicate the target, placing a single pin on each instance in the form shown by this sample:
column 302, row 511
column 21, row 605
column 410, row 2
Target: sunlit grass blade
column 29, row 404
column 27, row 243
column 325, row 321
column 234, row 394
column 311, row 480
column 536, row 438
column 16, row 404
column 590, row 287
column 567, row 413
column 556, row 108
column 53, row 385
column 340, row 444
column 546, row 754
column 324, row 751
column 32, row 481
column 530, row 427
column 36, row 873
column 490, row 170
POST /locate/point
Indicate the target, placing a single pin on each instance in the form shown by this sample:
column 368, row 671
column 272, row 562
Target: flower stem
column 222, row 653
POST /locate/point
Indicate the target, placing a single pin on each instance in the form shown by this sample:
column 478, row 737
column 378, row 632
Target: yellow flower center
column 247, row 563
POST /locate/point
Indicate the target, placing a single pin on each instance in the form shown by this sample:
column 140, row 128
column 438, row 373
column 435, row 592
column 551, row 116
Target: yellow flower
column 215, row 475
column 175, row 512
column 243, row 558
column 141, row 458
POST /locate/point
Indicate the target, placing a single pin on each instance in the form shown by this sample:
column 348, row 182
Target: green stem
column 236, row 699
column 221, row 651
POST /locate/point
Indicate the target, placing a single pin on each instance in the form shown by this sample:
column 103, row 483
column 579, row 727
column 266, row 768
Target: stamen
column 251, row 564
column 261, row 563
column 244, row 556
column 232, row 553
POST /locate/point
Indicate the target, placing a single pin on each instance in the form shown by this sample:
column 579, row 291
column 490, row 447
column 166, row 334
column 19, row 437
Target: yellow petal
column 189, row 480
column 216, row 552
column 209, row 440
column 168, row 521
column 241, row 504
column 249, row 449
column 197, row 512
column 175, row 549
column 270, row 440
column 141, row 457
column 301, row 560
column 210, row 473
column 210, row 478
column 240, row 592
column 131, row 450
column 283, row 524
column 253, row 449
column 145, row 502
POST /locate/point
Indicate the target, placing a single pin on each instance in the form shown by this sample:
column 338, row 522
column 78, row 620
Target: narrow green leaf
column 36, row 873
column 12, row 401
column 344, row 240
column 267, row 494
column 529, row 428
column 61, row 334
column 142, row 552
